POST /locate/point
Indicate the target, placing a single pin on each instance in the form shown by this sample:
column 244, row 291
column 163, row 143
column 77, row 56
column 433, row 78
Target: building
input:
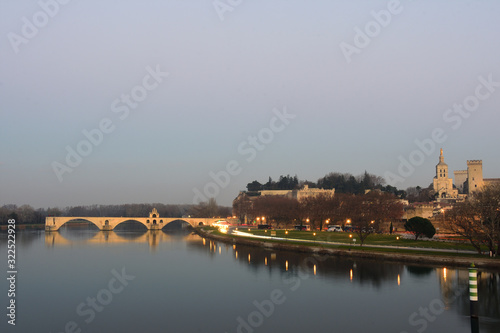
column 471, row 180
column 466, row 181
column 302, row 193
column 443, row 185
column 460, row 179
column 421, row 209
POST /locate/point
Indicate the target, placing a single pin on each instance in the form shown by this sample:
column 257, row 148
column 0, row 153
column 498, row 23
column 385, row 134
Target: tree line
column 364, row 212
column 26, row 214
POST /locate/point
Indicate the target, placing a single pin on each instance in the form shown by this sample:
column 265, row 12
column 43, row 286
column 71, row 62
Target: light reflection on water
column 185, row 283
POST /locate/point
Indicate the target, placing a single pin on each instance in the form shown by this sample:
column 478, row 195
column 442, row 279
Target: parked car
column 263, row 226
column 334, row 228
column 301, row 227
column 349, row 228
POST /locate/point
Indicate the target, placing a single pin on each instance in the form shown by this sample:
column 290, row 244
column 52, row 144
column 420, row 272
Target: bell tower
column 443, row 186
column 441, row 167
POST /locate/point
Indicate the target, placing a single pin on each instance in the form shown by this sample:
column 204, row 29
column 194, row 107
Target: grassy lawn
column 373, row 239
column 339, row 236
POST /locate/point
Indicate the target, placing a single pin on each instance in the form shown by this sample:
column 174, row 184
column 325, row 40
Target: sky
column 113, row 102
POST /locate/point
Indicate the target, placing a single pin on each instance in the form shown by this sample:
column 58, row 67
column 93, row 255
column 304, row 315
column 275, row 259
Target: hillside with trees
column 341, row 182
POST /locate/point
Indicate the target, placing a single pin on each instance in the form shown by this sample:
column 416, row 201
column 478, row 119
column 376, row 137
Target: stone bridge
column 153, row 222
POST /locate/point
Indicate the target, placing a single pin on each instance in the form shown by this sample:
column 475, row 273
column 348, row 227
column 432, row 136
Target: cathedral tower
column 443, row 186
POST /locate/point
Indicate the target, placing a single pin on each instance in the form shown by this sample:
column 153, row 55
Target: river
column 83, row 280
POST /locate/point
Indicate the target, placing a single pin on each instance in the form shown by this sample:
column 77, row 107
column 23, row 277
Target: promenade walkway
column 246, row 234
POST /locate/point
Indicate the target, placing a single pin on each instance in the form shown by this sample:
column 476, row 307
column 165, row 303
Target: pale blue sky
column 225, row 78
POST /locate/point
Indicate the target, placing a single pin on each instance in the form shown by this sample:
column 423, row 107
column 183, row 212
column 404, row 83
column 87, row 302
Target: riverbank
column 394, row 255
column 25, row 227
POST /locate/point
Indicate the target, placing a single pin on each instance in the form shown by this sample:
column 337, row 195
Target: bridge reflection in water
column 151, row 237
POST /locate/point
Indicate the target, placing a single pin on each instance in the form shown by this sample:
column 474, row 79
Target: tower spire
column 441, row 157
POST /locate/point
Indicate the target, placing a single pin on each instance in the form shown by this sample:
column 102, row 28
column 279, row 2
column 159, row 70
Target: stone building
column 471, row 180
column 443, row 185
column 299, row 194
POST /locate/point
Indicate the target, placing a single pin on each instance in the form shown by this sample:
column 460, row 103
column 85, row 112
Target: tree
column 318, row 209
column 242, row 206
column 369, row 210
column 254, row 186
column 463, row 220
column 418, row 194
column 478, row 219
column 420, row 226
column 207, row 209
column 54, row 212
column 277, row 210
column 26, row 214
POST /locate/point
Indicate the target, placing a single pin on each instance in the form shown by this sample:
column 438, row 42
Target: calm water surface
column 81, row 280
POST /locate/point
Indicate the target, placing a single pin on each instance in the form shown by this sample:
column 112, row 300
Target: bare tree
column 369, row 210
column 478, row 219
column 242, row 207
column 277, row 210
column 207, row 209
column 318, row 209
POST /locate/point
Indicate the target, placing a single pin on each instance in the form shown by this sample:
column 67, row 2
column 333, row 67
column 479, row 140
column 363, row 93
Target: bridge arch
column 74, row 219
column 180, row 222
column 126, row 220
